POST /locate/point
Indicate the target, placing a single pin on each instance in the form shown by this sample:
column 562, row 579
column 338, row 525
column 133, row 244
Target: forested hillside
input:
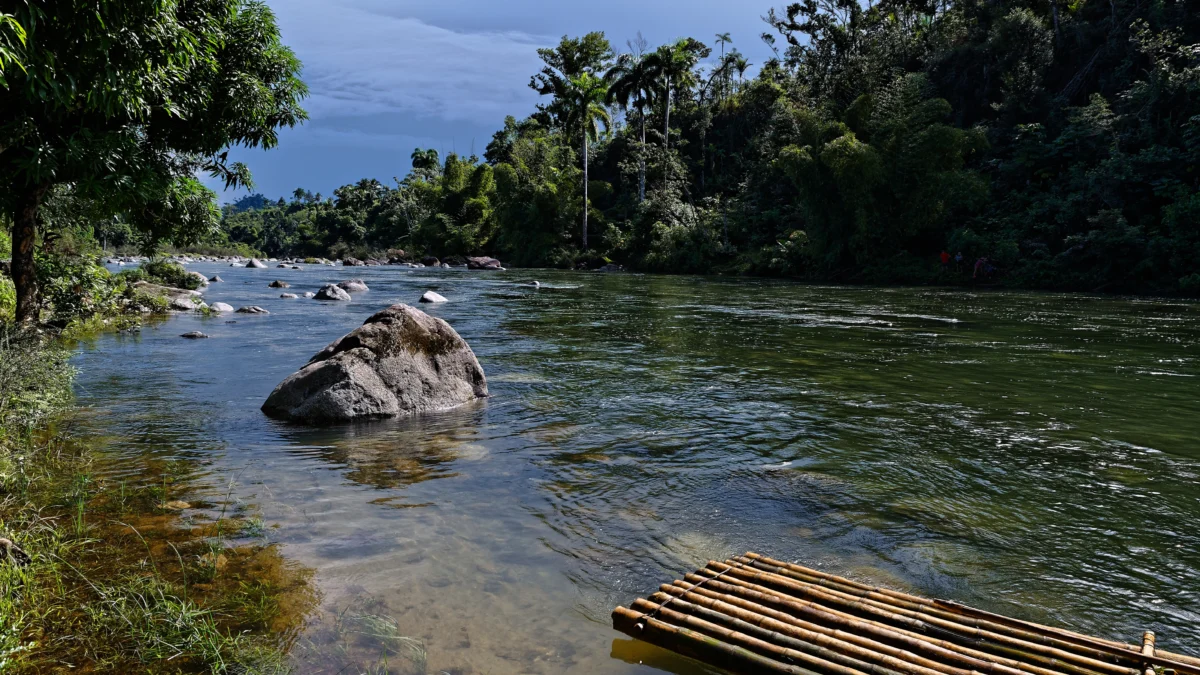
column 1059, row 139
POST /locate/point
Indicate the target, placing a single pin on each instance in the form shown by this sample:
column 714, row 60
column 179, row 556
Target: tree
column 125, row 101
column 426, row 160
column 631, row 82
column 673, row 64
column 723, row 39
column 570, row 59
column 584, row 104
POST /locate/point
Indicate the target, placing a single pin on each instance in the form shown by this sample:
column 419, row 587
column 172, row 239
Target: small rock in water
column 279, row 284
column 295, row 267
column 194, row 335
column 309, row 294
column 537, row 284
column 220, row 307
column 177, row 505
column 216, row 279
column 430, row 296
column 182, row 305
column 289, row 296
column 254, row 262
column 332, row 292
column 353, row 286
column 282, row 266
column 252, row 309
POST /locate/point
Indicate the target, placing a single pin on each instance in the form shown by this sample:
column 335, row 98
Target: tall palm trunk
column 24, row 236
column 667, row 118
column 585, row 187
column 642, row 158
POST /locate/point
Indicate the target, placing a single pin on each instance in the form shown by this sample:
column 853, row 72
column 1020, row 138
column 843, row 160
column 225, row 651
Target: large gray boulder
column 254, row 262
column 220, row 307
column 332, row 292
column 401, row 361
column 353, row 286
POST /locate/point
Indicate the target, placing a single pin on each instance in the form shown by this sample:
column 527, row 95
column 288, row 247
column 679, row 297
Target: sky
column 386, row 77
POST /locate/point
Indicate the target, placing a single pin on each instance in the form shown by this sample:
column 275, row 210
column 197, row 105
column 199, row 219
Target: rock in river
column 353, row 286
column 279, row 284
column 194, row 335
column 289, row 296
column 430, row 296
column 400, row 361
column 216, row 279
column 332, row 292
column 483, row 263
column 252, row 309
column 221, row 307
column 254, row 262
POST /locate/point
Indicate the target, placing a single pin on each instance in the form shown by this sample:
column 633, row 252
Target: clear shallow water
column 1036, row 455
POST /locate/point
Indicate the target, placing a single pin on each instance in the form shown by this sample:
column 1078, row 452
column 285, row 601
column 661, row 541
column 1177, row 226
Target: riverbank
column 122, row 566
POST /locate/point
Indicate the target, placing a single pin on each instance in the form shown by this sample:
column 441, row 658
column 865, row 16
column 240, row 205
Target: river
column 1031, row 454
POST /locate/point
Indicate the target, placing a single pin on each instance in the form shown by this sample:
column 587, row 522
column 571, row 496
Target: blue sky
column 390, row 76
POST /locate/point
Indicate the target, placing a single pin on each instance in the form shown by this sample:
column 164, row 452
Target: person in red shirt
column 945, row 259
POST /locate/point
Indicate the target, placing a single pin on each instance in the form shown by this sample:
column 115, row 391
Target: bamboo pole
column 1026, row 631
column 769, row 647
column 776, row 633
column 993, row 640
column 987, row 661
column 1181, row 662
column 839, row 641
column 1148, row 650
column 698, row 646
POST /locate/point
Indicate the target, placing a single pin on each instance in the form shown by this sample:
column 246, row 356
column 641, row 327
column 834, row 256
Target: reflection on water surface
column 1030, row 454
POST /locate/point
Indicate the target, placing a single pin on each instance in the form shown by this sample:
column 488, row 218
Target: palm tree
column 631, row 84
column 741, row 65
column 723, row 39
column 673, row 65
column 584, row 101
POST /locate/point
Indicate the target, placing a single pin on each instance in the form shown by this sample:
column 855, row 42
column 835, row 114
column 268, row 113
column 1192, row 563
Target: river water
column 1031, row 454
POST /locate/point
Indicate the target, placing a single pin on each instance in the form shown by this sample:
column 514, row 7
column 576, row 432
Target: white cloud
column 357, row 62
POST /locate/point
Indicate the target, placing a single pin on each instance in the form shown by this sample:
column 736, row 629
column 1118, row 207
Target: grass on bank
column 129, row 575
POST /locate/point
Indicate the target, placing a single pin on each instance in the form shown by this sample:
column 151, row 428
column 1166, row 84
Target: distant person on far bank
column 958, row 261
column 945, row 257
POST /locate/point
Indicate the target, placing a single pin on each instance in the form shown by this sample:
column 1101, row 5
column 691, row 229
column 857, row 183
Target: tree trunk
column 24, row 236
column 667, row 118
column 642, row 159
column 1054, row 13
column 585, row 188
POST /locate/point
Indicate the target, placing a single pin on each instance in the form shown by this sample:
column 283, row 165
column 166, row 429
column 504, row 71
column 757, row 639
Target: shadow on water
column 1006, row 450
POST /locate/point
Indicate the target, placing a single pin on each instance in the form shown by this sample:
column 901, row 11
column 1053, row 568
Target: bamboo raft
column 752, row 614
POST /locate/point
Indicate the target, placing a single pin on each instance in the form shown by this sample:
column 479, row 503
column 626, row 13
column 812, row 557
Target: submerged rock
column 431, row 296
column 194, row 335
column 309, row 294
column 353, row 286
column 332, row 292
column 254, row 262
column 252, row 309
column 216, row 279
column 279, row 284
column 400, row 361
column 289, row 296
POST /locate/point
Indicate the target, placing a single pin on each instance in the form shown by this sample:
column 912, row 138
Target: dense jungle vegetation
column 1060, row 139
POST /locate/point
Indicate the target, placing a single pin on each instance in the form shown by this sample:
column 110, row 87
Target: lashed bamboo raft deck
column 752, row 614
